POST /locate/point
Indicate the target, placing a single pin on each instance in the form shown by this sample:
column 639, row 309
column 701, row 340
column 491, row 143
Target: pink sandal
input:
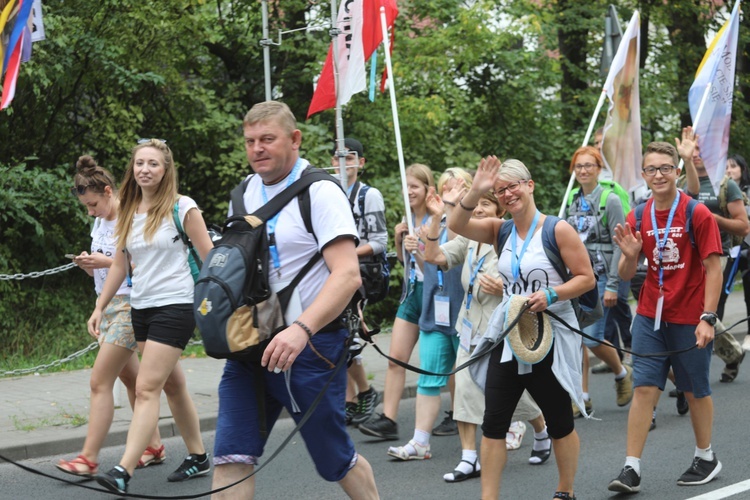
column 152, row 456
column 74, row 467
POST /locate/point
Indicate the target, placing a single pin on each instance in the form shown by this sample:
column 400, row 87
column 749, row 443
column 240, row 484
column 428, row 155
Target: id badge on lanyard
column 442, row 304
column 661, row 243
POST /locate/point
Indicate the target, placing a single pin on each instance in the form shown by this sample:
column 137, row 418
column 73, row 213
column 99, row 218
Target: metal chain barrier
column 57, row 362
column 36, row 274
column 92, row 346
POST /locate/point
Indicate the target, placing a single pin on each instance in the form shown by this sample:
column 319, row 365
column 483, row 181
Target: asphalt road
column 668, row 453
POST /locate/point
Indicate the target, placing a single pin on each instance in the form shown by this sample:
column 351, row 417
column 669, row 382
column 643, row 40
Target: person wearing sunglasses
column 676, row 309
column 595, row 228
column 527, row 271
column 148, row 241
column 95, row 188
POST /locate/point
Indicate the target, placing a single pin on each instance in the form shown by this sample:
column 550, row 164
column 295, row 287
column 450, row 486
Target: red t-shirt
column 684, row 275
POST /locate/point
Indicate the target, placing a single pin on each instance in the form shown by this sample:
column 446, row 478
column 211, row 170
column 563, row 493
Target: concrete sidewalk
column 46, row 414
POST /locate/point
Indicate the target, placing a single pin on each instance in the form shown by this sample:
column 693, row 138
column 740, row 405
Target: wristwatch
column 710, row 318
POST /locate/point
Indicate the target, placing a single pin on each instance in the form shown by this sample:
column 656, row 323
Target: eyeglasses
column 78, row 190
column 144, row 141
column 512, row 187
column 664, row 169
column 585, row 166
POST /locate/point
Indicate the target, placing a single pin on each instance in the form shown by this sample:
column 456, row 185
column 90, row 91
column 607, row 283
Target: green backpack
column 607, row 187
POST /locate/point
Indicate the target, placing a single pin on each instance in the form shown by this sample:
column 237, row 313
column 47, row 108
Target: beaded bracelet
column 449, row 203
column 304, row 327
column 433, row 239
column 468, row 209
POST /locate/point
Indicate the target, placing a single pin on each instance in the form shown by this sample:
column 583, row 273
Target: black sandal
column 564, row 495
column 542, row 455
column 459, row 476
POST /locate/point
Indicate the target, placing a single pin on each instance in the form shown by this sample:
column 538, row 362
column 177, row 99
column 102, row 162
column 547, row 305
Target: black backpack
column 373, row 269
column 235, row 310
column 588, row 307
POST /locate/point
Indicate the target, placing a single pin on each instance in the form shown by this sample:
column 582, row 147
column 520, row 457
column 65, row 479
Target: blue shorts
column 411, row 308
column 690, row 368
column 238, row 439
column 597, row 330
column 437, row 354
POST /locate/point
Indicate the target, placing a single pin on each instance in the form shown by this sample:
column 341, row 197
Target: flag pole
column 340, row 148
column 698, row 116
column 394, row 110
column 585, row 141
column 266, row 50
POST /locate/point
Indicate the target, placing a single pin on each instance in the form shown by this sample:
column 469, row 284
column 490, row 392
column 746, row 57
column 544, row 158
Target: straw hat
column 531, row 338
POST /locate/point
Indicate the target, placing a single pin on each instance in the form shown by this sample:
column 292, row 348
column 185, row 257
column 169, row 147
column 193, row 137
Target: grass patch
column 62, row 418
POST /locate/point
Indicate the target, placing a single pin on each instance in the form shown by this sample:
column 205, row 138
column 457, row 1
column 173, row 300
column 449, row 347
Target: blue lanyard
column 472, row 276
column 271, row 223
column 515, row 260
column 585, row 207
column 661, row 243
column 412, row 260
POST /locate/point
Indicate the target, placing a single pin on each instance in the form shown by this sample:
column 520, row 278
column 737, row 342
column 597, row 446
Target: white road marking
column 726, row 492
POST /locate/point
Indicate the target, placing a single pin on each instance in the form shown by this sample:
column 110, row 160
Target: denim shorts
column 690, row 368
column 173, row 324
column 411, row 308
column 437, row 354
column 238, row 438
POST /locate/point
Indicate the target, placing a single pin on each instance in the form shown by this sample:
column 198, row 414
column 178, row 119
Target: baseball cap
column 352, row 145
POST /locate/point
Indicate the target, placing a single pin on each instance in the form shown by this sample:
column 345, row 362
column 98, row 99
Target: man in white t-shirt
column 300, row 359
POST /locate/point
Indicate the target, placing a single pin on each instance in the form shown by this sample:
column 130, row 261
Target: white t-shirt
column 103, row 241
column 331, row 218
column 161, row 274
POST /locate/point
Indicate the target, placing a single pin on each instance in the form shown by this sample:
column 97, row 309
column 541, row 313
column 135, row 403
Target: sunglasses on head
column 78, row 190
column 144, row 141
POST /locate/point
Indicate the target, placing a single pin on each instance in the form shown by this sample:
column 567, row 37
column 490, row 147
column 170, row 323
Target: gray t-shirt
column 707, row 196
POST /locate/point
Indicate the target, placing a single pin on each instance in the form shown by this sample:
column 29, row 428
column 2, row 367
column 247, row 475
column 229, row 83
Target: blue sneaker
column 191, row 467
column 115, row 480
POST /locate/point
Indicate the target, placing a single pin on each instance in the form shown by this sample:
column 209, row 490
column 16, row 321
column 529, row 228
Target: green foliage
column 473, row 77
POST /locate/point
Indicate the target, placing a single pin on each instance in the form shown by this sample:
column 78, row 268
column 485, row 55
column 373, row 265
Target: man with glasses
column 676, row 310
column 728, row 208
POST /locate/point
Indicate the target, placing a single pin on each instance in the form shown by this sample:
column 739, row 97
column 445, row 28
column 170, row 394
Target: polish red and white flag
column 361, row 34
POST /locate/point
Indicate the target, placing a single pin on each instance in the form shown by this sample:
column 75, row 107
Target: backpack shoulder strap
column 551, row 249
column 361, row 204
column 283, row 198
column 304, row 197
column 237, row 195
column 503, row 234
column 638, row 211
column 689, row 219
column 178, row 224
column 723, row 191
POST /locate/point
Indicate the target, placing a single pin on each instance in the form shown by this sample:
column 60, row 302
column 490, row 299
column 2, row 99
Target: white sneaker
column 746, row 343
column 515, row 435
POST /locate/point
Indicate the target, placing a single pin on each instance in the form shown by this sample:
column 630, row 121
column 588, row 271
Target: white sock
column 622, row 374
column 466, row 456
column 706, row 454
column 634, row 463
column 421, row 437
column 586, row 396
column 539, row 440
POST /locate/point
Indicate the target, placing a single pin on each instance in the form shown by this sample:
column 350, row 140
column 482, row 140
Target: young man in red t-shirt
column 676, row 311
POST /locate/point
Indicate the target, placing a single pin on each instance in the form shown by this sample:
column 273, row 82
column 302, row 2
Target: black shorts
column 171, row 325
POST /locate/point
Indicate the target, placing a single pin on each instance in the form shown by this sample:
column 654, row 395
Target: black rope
column 341, row 362
column 505, row 332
